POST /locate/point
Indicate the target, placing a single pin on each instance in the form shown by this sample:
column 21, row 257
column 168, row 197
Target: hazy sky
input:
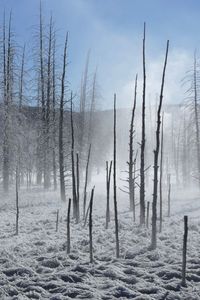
column 112, row 29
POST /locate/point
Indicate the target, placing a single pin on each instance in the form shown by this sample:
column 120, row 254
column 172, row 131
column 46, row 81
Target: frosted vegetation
column 94, row 204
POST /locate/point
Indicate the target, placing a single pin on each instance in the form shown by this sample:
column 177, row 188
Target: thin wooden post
column 115, row 183
column 169, row 195
column 68, row 227
column 90, row 226
column 161, row 175
column 57, row 219
column 156, row 156
column 86, row 182
column 17, row 204
column 77, row 186
column 147, row 223
column 183, row 283
column 108, row 177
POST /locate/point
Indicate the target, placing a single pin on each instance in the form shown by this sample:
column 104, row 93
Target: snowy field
column 34, row 265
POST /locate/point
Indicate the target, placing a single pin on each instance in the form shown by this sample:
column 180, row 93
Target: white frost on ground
column 34, row 265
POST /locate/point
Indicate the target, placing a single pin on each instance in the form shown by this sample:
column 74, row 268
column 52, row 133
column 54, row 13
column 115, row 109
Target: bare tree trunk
column 196, row 117
column 143, row 141
column 77, row 186
column 7, row 100
column 115, row 183
column 86, row 182
column 134, row 185
column 92, row 109
column 42, row 85
column 75, row 215
column 90, row 226
column 161, row 173
column 68, row 227
column 156, row 155
column 147, row 223
column 83, row 99
column 131, row 160
column 61, row 143
column 21, row 90
column 17, row 204
column 47, row 181
column 54, row 122
column 57, row 219
column 183, row 283
column 185, row 158
column 169, row 195
column 108, row 177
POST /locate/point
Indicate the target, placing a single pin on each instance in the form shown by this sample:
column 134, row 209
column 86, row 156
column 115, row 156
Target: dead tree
column 83, row 104
column 183, row 283
column 77, row 186
column 21, row 83
column 75, row 215
column 196, row 105
column 142, row 153
column 17, row 204
column 134, row 185
column 156, row 155
column 61, row 142
column 68, row 227
column 161, row 173
column 114, row 181
column 42, row 89
column 90, row 226
column 87, row 212
column 54, row 117
column 108, row 177
column 169, row 195
column 57, row 219
column 47, row 181
column 147, row 222
column 86, row 182
column 7, row 87
column 131, row 160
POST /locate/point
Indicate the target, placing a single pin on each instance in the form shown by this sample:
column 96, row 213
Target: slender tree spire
column 142, row 153
column 156, row 155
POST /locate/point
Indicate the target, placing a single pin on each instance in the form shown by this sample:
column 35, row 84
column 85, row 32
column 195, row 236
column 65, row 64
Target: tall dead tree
column 169, row 194
column 90, row 226
column 115, row 180
column 61, row 142
column 17, row 202
column 47, row 181
column 20, row 117
column 142, row 153
column 156, row 155
column 131, row 151
column 108, row 177
column 7, row 86
column 77, row 186
column 21, row 83
column 75, row 214
column 196, row 111
column 86, row 182
column 184, row 260
column 161, row 173
column 57, row 219
column 92, row 109
column 68, row 227
column 83, row 100
column 54, row 116
column 42, row 89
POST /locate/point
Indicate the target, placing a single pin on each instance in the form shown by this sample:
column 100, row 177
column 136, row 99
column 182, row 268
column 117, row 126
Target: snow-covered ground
column 34, row 264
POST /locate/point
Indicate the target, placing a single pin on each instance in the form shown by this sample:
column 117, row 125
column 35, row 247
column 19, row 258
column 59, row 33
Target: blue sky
column 112, row 29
